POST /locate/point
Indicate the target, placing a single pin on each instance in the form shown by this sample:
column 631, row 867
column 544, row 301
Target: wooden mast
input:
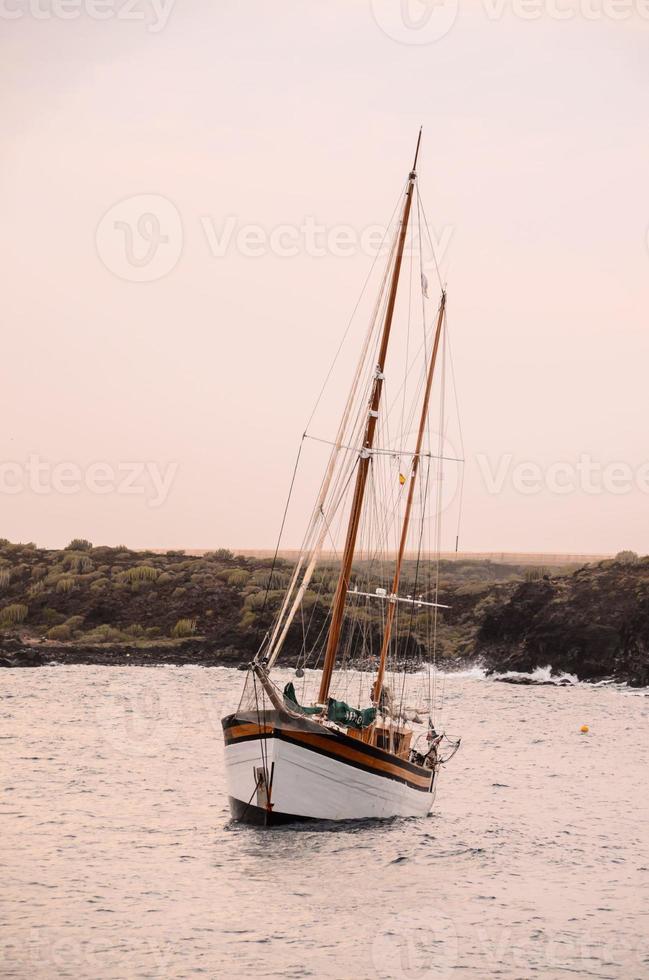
column 364, row 461
column 392, row 605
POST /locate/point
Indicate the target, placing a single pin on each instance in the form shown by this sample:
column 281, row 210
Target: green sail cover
column 291, row 701
column 343, row 714
column 337, row 711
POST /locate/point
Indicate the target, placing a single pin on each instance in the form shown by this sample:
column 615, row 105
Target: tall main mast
column 365, row 456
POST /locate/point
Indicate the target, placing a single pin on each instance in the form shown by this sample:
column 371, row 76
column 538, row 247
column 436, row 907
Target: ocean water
column 118, row 859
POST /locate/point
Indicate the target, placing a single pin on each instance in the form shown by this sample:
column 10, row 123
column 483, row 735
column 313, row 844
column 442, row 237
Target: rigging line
column 420, row 212
column 405, row 368
column 430, row 240
column 343, row 493
column 423, row 306
column 389, row 452
column 263, row 747
column 281, row 530
column 415, row 360
column 461, row 434
column 313, row 538
column 438, row 526
column 358, row 301
column 310, row 543
column 318, row 598
column 422, row 527
column 453, row 382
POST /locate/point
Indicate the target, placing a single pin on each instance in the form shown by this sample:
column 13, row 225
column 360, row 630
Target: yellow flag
column 402, row 479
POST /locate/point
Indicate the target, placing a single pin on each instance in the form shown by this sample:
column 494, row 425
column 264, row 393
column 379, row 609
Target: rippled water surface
column 117, row 858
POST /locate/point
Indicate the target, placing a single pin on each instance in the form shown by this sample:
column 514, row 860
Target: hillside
column 87, row 604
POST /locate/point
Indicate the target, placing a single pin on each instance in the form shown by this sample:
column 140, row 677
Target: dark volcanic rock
column 532, row 682
column 197, row 652
column 27, row 657
column 594, row 623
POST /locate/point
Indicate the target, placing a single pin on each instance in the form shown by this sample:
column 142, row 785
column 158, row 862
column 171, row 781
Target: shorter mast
column 392, row 604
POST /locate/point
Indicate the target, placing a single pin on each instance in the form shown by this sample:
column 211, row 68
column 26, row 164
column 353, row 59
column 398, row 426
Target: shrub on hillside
column 247, row 620
column 79, row 544
column 74, row 623
column 183, row 628
column 78, row 563
column 54, row 574
column 61, row 633
column 104, row 634
column 14, row 614
column 139, row 573
column 536, row 574
column 51, row 617
column 627, row 557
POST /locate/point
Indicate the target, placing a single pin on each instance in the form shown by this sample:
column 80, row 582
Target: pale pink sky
column 534, row 164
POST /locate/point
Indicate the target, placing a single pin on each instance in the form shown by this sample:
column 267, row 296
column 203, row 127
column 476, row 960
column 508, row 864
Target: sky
column 187, row 192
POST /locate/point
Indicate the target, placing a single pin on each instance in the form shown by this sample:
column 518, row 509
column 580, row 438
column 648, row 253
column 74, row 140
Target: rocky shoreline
column 593, row 624
column 197, row 652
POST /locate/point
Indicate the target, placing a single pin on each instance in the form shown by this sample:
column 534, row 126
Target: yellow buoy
column 584, row 729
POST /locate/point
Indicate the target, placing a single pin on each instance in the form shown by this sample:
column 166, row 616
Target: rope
column 281, row 530
column 351, row 319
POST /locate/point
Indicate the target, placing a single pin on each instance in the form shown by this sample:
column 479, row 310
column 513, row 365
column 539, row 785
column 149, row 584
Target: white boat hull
column 282, row 770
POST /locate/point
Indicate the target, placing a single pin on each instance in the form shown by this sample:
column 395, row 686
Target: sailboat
column 287, row 759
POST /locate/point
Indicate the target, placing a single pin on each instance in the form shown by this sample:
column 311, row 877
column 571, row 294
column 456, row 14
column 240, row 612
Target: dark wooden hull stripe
column 274, row 722
column 332, row 747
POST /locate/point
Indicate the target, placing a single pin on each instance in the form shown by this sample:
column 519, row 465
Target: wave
column 540, row 675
